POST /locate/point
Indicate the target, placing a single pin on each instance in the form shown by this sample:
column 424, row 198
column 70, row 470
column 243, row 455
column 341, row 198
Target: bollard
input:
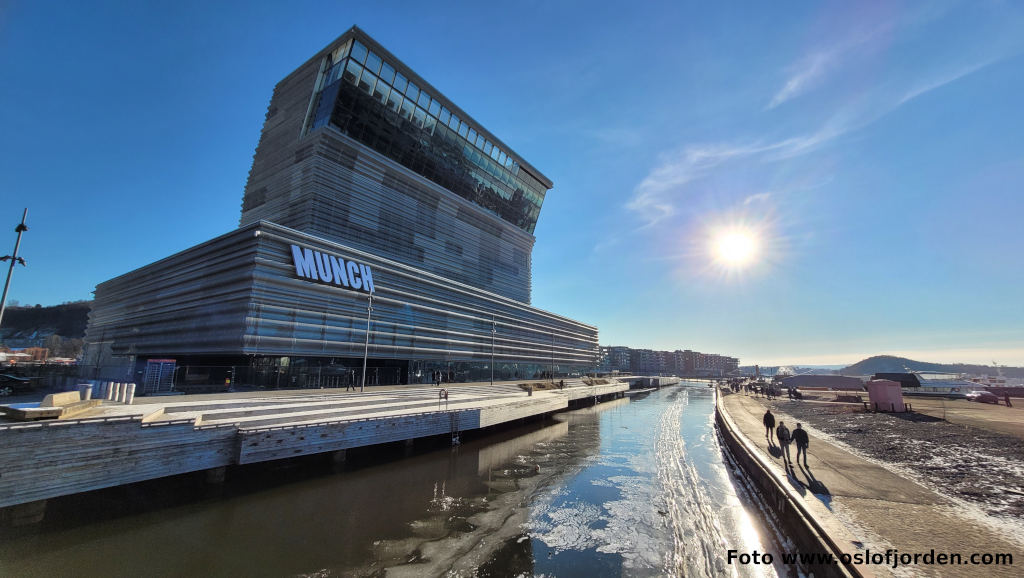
column 108, row 390
column 119, row 392
column 129, row 396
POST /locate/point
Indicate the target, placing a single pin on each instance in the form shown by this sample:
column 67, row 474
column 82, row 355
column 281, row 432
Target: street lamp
column 552, row 372
column 366, row 345
column 21, row 228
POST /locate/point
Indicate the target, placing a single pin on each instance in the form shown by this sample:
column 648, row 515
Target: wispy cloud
column 944, row 79
column 804, row 75
column 757, row 198
column 678, row 173
column 810, row 70
column 655, row 198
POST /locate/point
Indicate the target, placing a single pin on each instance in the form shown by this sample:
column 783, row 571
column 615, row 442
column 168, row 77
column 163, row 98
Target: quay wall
column 797, row 523
column 47, row 459
column 43, row 460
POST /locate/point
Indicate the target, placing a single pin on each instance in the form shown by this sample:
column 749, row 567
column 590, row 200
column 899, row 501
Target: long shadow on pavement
column 819, row 489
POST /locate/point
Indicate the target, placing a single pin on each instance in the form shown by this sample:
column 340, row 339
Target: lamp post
column 552, row 372
column 366, row 345
column 494, row 329
column 21, row 228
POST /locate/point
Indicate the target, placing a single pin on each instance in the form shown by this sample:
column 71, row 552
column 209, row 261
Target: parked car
column 983, row 396
column 14, row 384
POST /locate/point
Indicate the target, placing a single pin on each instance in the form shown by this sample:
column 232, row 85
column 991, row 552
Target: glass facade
column 368, row 99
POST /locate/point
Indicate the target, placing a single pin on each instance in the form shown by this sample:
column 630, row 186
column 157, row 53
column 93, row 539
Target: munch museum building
column 378, row 218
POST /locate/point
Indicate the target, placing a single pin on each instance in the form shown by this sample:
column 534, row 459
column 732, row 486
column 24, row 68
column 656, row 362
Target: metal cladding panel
column 416, row 314
column 338, row 189
column 192, row 302
column 240, row 294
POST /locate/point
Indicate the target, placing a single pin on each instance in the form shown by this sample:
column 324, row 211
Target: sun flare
column 735, row 247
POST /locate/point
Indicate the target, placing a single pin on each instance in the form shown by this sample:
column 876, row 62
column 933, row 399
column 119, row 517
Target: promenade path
column 865, row 506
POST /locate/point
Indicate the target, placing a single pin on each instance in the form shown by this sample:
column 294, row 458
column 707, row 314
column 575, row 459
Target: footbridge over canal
column 118, row 444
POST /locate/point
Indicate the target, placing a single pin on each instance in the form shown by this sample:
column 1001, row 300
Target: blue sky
column 875, row 150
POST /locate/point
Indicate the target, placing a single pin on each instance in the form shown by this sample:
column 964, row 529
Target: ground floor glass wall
column 204, row 374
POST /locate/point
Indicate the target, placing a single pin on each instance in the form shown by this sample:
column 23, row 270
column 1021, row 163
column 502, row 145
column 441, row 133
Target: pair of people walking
column 785, row 437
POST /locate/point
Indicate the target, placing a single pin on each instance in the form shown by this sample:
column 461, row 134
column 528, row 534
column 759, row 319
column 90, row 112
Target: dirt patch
column 977, row 465
column 538, row 385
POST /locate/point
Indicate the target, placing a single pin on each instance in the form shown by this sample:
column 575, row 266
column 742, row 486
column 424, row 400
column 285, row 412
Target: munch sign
column 324, row 268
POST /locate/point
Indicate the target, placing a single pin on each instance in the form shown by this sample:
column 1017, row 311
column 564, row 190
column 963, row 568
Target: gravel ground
column 978, row 466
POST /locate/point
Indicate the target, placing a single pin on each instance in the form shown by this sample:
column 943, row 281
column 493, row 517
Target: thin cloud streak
column 653, row 197
column 945, row 79
column 757, row 198
column 807, row 75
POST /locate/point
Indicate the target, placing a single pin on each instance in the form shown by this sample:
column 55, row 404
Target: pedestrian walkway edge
column 799, row 524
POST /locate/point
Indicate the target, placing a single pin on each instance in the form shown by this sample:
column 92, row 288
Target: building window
column 373, row 63
column 352, row 72
column 359, row 52
column 367, row 81
column 400, row 83
column 395, row 101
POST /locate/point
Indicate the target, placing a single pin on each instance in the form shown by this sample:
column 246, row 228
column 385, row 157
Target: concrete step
column 343, row 411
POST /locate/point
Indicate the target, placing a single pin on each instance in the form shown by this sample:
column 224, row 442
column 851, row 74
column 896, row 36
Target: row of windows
column 376, row 77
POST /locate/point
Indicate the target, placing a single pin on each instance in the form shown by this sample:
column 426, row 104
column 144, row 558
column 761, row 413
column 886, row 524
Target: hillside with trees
column 891, row 363
column 59, row 328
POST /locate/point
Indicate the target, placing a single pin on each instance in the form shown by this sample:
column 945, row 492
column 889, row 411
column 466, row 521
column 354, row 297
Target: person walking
column 769, row 426
column 802, row 441
column 1006, row 398
column 782, row 433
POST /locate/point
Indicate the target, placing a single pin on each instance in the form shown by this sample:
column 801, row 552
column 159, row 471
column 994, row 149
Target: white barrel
column 129, row 395
column 85, row 391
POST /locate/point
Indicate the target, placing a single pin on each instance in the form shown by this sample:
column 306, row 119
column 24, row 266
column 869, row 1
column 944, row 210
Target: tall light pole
column 14, row 259
column 366, row 345
column 494, row 329
column 552, row 372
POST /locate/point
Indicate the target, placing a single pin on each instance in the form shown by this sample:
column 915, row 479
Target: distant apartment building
column 657, row 362
column 614, row 358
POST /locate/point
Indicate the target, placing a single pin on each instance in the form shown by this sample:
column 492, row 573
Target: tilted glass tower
column 389, row 196
column 366, row 180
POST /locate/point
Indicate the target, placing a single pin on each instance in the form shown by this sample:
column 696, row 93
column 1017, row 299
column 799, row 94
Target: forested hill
column 891, row 363
column 67, row 320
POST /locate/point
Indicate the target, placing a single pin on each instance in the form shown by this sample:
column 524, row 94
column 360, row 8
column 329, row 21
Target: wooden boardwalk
column 116, row 444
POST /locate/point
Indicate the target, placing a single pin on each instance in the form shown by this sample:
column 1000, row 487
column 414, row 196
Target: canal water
column 633, row 487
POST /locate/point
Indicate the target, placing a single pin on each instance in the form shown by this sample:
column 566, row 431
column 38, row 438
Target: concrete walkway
column 865, row 506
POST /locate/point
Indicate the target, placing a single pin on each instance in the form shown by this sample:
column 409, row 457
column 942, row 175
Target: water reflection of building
column 366, row 180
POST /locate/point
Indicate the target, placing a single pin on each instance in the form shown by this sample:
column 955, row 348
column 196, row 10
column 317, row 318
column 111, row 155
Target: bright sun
column 735, row 247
